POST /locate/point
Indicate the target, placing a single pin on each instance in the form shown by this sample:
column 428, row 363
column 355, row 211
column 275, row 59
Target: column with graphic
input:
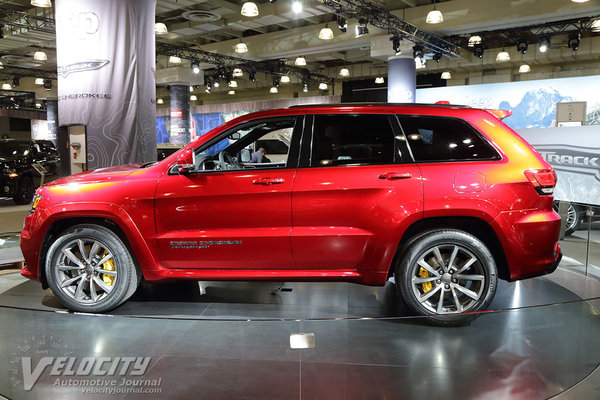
column 180, row 113
column 402, row 79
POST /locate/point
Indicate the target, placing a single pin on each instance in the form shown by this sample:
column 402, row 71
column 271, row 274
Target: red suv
column 445, row 199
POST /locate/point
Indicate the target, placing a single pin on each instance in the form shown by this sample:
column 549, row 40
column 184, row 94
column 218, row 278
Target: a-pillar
column 180, row 112
column 60, row 136
column 402, row 79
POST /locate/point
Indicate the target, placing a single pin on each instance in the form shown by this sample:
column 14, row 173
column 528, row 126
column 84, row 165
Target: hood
column 98, row 175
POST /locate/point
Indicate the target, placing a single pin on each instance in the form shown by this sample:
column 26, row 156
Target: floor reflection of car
column 21, row 165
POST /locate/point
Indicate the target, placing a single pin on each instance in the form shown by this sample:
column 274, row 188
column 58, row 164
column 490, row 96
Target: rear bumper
column 530, row 242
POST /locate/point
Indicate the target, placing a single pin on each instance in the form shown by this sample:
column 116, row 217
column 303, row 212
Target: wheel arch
column 61, row 225
column 473, row 225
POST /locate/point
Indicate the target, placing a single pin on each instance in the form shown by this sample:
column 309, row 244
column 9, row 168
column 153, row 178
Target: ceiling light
column 191, row 88
column 207, row 87
column 160, row 29
column 478, row 50
column 40, row 56
column 579, row 1
column 38, row 105
column 241, row 47
column 237, row 73
column 473, row 40
column 249, row 9
column 522, row 47
column 232, row 83
column 379, row 80
column 342, row 23
column 193, row 97
column 216, row 84
column 344, row 72
column 174, row 60
column 361, row 29
column 1, row 65
column 39, row 81
column 195, row 67
column 595, row 26
column 434, row 16
column 41, row 3
column 231, row 92
column 396, row 44
column 322, row 86
column 300, row 61
column 437, row 57
column 503, row 56
column 285, row 79
column 297, row 6
column 544, row 45
column 159, row 101
column 6, row 86
column 418, row 51
column 446, row 75
column 420, row 63
column 326, row 33
column 273, row 90
column 523, row 69
column 574, row 41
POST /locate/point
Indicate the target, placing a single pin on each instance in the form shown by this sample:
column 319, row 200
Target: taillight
column 543, row 180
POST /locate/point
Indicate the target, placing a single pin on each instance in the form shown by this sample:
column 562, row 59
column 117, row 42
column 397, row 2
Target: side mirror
column 185, row 160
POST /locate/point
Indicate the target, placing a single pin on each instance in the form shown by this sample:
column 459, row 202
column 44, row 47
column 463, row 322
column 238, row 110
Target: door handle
column 268, row 181
column 394, row 176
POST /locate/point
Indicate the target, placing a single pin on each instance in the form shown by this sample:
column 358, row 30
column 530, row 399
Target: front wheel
column 25, row 191
column 445, row 274
column 90, row 269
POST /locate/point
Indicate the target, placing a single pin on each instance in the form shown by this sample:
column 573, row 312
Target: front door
column 234, row 210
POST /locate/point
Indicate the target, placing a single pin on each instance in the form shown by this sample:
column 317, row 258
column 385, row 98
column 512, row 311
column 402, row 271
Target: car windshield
column 13, row 149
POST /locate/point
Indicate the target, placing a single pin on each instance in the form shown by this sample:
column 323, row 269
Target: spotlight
column 252, row 76
column 276, row 80
column 418, row 51
column 478, row 50
column 2, row 31
column 522, row 46
column 297, row 6
column 361, row 29
column 47, row 84
column 305, row 86
column 195, row 67
column 396, row 44
column 342, row 23
column 437, row 57
column 544, row 45
column 574, row 41
column 207, row 86
column 216, row 83
column 15, row 81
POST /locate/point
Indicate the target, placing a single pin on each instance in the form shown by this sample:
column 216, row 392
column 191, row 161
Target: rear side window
column 445, row 139
column 345, row 139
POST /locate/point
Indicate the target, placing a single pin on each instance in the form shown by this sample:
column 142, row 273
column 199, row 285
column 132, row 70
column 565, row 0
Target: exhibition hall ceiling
column 280, row 33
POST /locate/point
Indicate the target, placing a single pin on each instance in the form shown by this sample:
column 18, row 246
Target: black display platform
column 230, row 340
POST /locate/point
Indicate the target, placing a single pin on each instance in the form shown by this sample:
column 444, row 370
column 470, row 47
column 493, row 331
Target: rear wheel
column 90, row 269
column 24, row 192
column 445, row 274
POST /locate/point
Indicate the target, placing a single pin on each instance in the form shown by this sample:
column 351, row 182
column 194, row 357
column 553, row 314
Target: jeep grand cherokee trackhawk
column 445, row 199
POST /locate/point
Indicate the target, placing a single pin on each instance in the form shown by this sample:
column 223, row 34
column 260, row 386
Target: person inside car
column 257, row 156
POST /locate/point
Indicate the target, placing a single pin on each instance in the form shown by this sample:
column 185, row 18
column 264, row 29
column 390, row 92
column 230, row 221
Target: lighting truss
column 25, row 22
column 393, row 25
column 10, row 70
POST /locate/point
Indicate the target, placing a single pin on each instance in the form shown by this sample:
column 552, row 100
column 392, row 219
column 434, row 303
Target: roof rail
column 376, row 104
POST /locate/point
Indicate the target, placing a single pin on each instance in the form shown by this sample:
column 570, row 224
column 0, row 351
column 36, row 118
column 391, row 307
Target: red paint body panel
column 322, row 223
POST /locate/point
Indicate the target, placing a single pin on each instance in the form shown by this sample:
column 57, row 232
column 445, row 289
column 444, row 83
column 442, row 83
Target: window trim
column 499, row 156
column 306, row 160
column 292, row 161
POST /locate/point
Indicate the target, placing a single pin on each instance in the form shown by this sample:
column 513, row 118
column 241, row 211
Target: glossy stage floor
column 216, row 340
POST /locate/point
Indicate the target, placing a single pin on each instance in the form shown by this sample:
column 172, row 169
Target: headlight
column 36, row 201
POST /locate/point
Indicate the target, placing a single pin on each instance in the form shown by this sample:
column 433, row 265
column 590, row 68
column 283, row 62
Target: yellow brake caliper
column 426, row 286
column 108, row 265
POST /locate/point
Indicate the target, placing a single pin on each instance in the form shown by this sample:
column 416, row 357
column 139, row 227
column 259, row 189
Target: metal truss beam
column 395, row 26
column 9, row 70
column 27, row 22
column 21, row 94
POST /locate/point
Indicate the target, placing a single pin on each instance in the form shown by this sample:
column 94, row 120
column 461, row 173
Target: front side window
column 258, row 144
column 346, row 139
column 438, row 139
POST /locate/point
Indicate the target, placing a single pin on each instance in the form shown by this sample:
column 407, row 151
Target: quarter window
column 352, row 139
column 445, row 139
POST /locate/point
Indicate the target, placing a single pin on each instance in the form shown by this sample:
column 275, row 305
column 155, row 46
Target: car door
column 230, row 216
column 355, row 191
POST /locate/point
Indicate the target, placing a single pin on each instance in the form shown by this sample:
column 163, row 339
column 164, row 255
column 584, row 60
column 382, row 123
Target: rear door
column 355, row 189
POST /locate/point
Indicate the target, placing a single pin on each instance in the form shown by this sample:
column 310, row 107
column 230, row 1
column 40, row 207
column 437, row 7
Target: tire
column 77, row 282
column 573, row 219
column 24, row 191
column 444, row 298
